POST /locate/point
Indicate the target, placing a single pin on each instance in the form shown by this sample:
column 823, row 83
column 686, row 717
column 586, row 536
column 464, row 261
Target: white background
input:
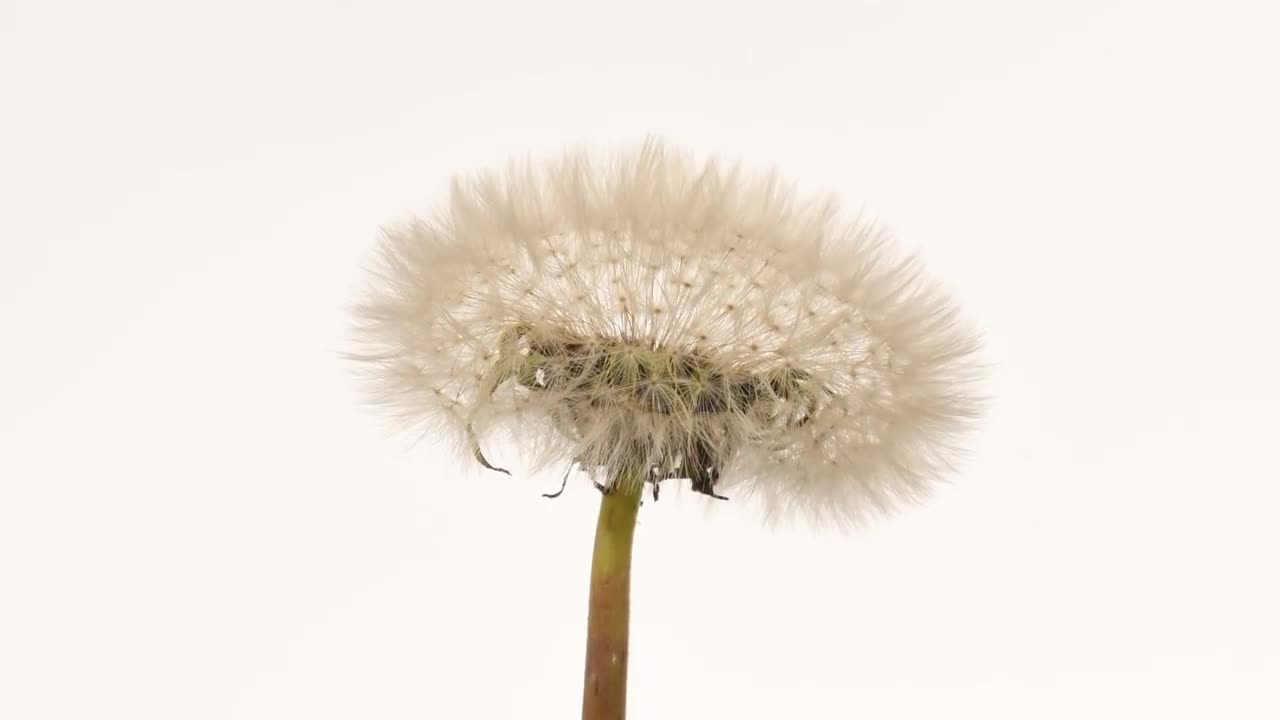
column 197, row 521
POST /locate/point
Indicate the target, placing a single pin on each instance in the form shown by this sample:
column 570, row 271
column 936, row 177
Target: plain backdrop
column 198, row 521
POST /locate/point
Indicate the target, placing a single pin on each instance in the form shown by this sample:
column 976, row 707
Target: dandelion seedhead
column 643, row 316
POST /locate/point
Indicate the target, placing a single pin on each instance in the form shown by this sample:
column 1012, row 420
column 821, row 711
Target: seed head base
column 632, row 377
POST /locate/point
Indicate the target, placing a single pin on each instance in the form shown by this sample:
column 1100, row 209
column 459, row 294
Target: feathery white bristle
column 598, row 305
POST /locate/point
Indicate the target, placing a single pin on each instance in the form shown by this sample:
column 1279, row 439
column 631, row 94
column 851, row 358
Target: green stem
column 604, row 693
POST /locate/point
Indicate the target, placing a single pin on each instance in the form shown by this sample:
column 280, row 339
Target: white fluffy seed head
column 690, row 317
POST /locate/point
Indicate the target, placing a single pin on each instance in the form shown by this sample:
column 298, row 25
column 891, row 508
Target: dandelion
column 649, row 320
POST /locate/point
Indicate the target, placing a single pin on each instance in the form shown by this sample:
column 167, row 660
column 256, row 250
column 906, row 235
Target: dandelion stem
column 604, row 693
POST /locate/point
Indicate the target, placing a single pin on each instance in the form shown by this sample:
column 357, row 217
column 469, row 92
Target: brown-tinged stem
column 604, row 693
